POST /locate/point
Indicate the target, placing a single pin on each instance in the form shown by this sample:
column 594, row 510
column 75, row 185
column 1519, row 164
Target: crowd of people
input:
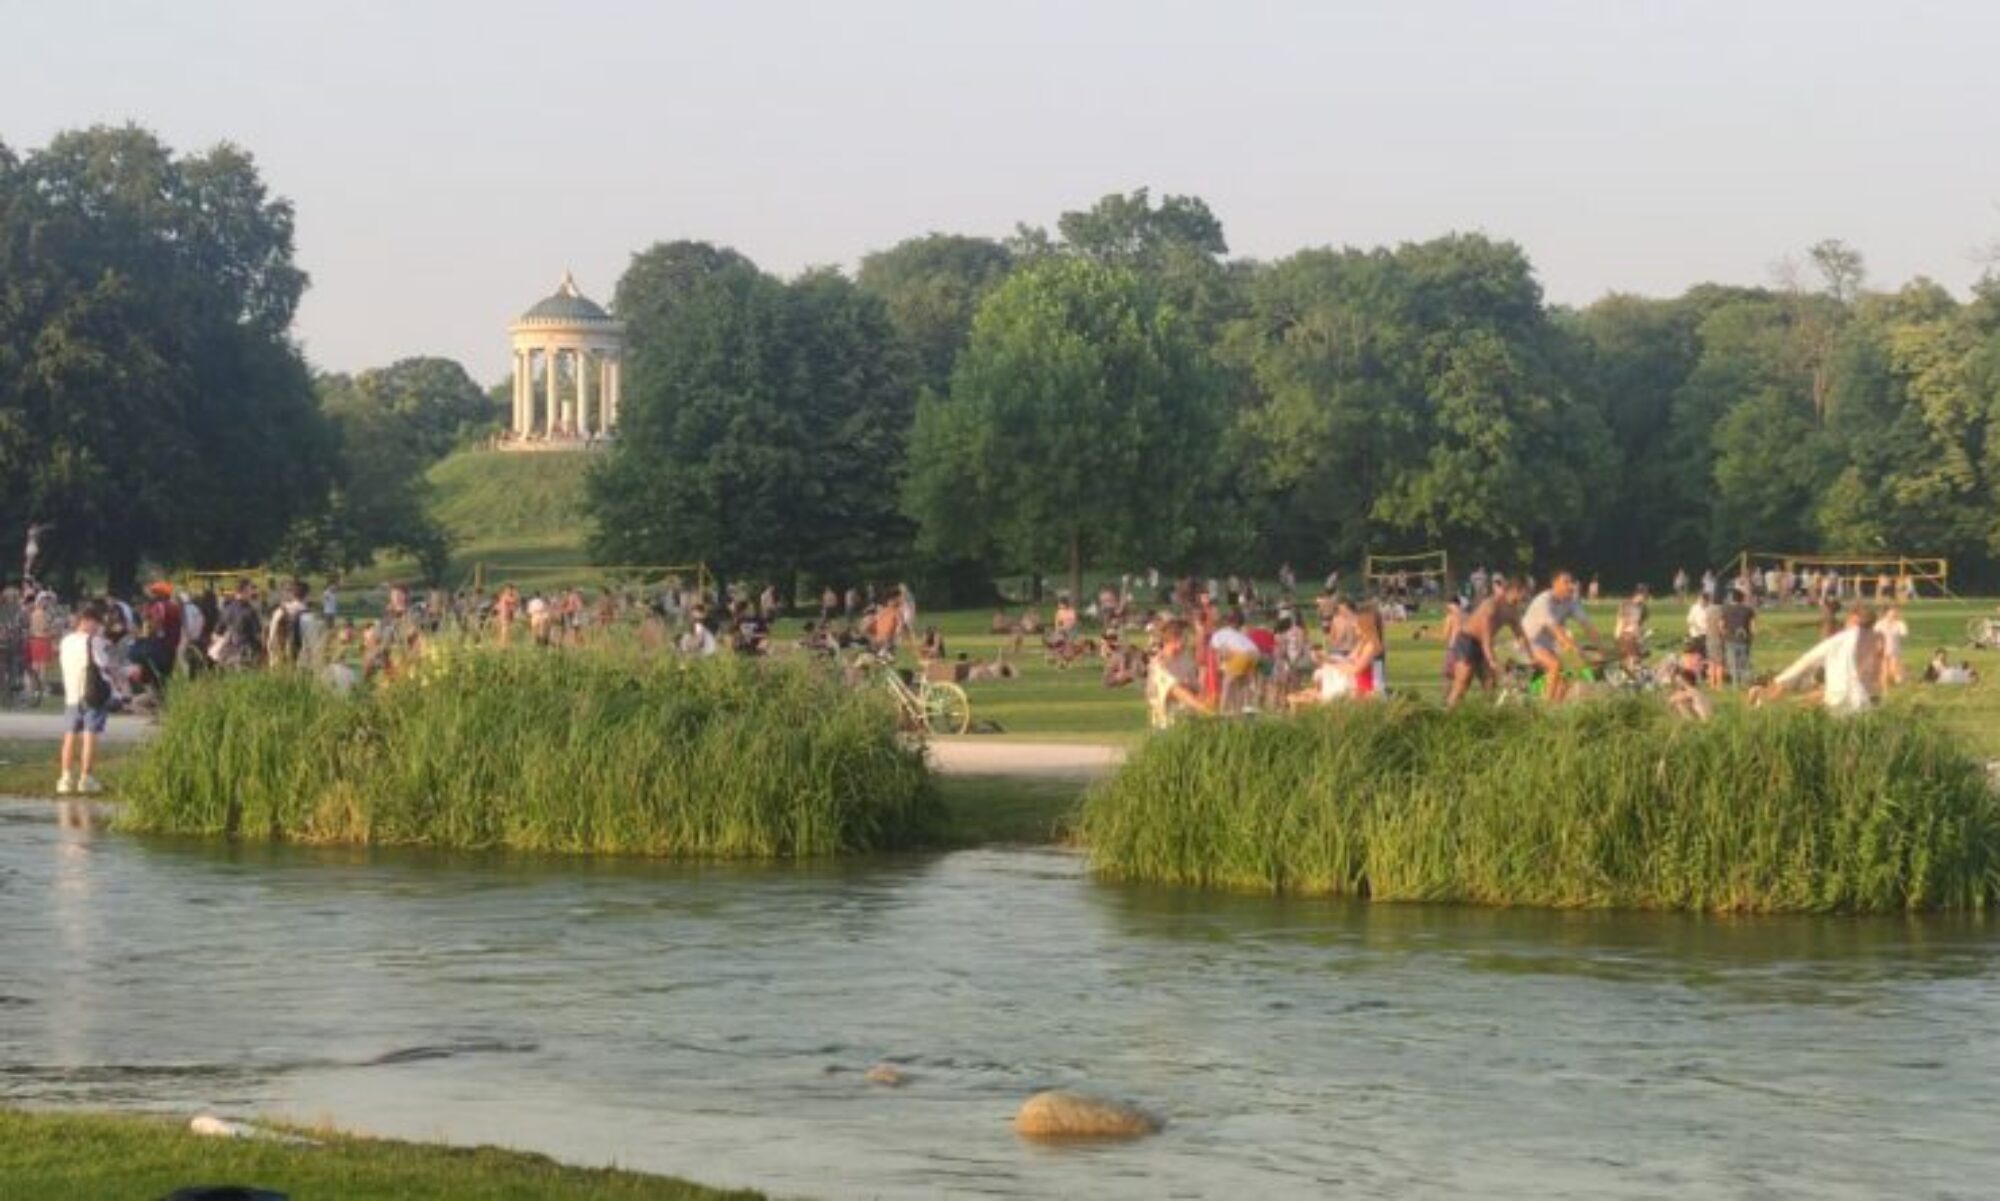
column 1214, row 646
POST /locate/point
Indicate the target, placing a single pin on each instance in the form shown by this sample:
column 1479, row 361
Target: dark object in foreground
column 224, row 1192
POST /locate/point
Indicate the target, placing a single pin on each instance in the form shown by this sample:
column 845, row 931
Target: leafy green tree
column 152, row 404
column 1083, row 421
column 1412, row 397
column 763, row 425
column 933, row 286
column 442, row 406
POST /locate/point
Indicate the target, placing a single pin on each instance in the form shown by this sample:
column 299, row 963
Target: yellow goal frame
column 1910, row 572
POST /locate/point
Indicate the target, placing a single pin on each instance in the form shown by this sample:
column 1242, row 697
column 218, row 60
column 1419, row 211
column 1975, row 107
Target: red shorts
column 40, row 652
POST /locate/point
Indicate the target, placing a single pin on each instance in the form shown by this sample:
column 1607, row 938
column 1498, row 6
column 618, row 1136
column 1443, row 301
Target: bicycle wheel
column 947, row 710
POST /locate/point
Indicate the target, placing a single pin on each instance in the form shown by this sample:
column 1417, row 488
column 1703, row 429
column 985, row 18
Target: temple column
column 583, row 392
column 551, row 365
column 617, row 387
column 524, row 384
column 604, row 392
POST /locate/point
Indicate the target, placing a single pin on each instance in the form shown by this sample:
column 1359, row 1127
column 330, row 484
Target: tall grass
column 1606, row 805
column 576, row 751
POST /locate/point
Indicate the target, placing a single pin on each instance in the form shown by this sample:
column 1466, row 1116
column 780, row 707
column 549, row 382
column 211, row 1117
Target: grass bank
column 1613, row 805
column 610, row 752
column 51, row 1156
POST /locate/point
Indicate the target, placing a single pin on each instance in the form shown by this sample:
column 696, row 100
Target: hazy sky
column 449, row 161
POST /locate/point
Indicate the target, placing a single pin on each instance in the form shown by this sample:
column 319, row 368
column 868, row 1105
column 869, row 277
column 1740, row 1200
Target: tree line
column 154, row 406
column 1115, row 390
column 1121, row 391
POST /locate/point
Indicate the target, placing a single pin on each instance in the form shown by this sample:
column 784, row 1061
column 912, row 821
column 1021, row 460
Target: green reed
column 587, row 751
column 1613, row 804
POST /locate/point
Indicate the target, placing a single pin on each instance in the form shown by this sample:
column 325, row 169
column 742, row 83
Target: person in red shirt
column 164, row 616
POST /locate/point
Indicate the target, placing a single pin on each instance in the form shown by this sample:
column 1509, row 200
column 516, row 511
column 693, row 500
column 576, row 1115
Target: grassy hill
column 488, row 499
column 507, row 511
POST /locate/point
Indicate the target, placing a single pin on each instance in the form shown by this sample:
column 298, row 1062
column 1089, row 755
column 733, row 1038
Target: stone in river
column 1059, row 1114
column 888, row 1075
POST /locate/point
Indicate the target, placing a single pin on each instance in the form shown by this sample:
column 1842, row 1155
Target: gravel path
column 950, row 756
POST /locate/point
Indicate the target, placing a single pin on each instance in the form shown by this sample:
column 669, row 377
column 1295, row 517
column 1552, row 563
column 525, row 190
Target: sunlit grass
column 612, row 751
column 1602, row 805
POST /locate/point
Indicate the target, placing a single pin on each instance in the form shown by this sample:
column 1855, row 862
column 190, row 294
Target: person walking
column 86, row 700
column 1739, row 623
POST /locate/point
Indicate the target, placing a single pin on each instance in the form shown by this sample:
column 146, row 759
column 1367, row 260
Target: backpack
column 96, row 689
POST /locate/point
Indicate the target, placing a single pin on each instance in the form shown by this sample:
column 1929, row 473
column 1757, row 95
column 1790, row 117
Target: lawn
column 47, row 1156
column 1045, row 703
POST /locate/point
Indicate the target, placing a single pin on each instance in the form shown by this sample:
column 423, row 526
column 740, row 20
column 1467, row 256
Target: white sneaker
column 65, row 786
column 89, row 786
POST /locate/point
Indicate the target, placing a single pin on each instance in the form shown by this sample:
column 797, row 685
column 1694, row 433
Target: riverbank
column 56, row 1156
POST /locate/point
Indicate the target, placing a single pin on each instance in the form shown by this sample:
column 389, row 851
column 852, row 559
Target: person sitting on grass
column 1844, row 658
column 931, row 650
column 1546, row 624
column 1684, row 678
column 1170, row 691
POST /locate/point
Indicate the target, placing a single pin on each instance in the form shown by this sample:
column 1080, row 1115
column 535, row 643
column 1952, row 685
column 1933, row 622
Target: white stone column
column 604, row 392
column 523, row 385
column 617, row 387
column 551, row 363
column 583, row 392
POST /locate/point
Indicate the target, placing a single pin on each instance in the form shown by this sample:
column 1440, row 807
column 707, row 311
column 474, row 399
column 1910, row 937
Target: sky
column 449, row 161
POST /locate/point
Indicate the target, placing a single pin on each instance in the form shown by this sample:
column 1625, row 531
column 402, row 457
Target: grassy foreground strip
column 62, row 1156
column 579, row 751
column 1601, row 805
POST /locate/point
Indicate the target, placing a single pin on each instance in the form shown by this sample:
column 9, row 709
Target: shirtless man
column 1473, row 656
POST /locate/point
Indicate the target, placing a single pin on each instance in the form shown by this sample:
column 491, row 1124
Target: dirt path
column 46, row 725
column 950, row 756
column 1024, row 760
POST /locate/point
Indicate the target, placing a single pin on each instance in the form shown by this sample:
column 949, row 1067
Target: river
column 716, row 1022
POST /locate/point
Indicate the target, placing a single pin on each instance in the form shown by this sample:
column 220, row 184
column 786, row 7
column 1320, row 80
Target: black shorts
column 1466, row 649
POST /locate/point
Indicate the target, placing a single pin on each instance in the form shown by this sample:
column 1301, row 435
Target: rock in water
column 888, row 1075
column 1059, row 1113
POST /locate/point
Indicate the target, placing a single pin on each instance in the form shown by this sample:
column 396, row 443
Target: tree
column 1413, row 398
column 380, row 498
column 1082, row 421
column 443, row 407
column 763, row 425
column 146, row 371
column 933, row 286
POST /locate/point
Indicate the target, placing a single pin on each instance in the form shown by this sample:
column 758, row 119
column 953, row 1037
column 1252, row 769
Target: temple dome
column 567, row 304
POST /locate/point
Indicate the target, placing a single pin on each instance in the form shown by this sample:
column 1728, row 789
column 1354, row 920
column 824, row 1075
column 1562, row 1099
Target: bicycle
column 927, row 705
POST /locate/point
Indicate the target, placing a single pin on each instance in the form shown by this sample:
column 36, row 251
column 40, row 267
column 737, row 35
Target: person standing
column 1894, row 631
column 1630, row 631
column 86, row 700
column 1841, row 658
column 1739, row 622
column 329, row 603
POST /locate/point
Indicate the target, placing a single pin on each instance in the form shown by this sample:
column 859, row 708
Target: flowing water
column 717, row 1021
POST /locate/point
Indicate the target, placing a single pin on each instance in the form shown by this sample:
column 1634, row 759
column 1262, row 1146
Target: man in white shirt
column 1843, row 658
column 86, row 697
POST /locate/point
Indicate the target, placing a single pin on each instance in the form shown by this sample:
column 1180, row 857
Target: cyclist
column 1546, row 624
